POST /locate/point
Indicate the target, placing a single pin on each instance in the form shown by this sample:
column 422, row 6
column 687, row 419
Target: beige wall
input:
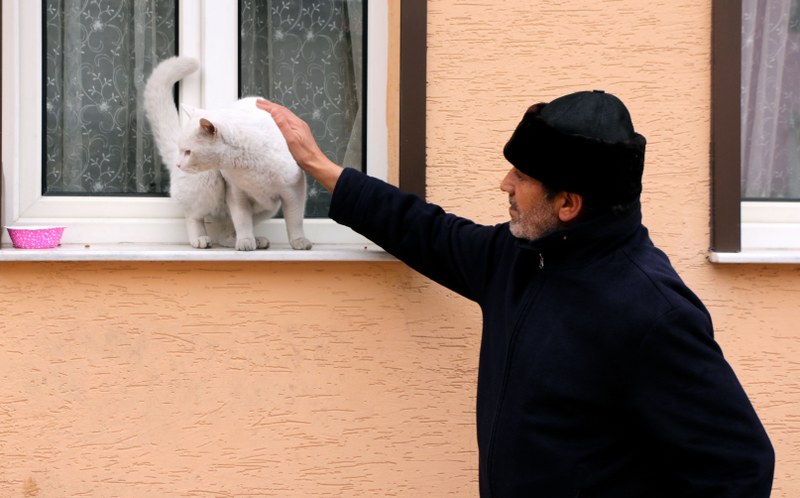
column 358, row 379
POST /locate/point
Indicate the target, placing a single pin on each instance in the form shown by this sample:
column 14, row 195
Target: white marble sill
column 282, row 252
column 764, row 256
column 165, row 252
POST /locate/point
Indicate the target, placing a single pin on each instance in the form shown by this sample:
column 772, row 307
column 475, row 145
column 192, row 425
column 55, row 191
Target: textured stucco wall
column 160, row 380
column 196, row 380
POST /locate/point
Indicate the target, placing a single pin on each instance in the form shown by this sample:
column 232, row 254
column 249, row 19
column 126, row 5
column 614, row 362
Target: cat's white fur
column 243, row 145
column 246, row 146
column 199, row 195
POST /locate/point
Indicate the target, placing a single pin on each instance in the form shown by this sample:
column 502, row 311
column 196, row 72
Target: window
column 76, row 150
column 756, row 126
column 95, row 136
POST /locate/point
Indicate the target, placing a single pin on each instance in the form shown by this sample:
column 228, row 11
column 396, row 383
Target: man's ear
column 569, row 206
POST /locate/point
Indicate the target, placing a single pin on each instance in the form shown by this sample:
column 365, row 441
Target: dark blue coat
column 599, row 374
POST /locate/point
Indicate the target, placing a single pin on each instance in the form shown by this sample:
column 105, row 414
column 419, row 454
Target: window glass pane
column 308, row 55
column 770, row 100
column 97, row 56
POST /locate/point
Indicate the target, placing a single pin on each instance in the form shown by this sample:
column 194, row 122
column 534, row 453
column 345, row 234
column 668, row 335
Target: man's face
column 533, row 214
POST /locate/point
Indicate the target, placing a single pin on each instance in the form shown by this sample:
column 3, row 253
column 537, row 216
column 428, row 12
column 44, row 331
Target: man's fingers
column 280, row 114
column 265, row 105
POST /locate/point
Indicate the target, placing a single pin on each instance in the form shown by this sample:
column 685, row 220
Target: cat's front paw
column 246, row 244
column 301, row 243
column 202, row 242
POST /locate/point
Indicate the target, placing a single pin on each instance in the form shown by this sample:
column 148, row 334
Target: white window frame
column 115, row 220
column 770, row 225
column 770, row 233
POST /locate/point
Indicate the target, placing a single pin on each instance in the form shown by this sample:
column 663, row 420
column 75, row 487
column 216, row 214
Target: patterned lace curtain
column 97, row 54
column 771, row 99
column 308, row 56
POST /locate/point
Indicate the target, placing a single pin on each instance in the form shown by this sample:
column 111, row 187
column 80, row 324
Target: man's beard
column 535, row 223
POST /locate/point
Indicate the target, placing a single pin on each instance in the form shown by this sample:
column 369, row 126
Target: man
column 599, row 375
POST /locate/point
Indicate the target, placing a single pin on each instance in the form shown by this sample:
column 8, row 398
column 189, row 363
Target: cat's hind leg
column 293, row 199
column 261, row 242
column 227, row 234
column 228, row 239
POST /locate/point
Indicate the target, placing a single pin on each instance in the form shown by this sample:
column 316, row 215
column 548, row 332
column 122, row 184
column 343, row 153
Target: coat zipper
column 507, row 367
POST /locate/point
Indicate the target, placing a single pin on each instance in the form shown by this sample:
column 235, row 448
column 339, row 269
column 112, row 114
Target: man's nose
column 505, row 184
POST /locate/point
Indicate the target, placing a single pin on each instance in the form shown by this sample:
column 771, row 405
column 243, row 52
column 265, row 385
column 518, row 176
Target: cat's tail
column 159, row 105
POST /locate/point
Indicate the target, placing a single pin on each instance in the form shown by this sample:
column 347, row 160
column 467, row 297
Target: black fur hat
column 584, row 143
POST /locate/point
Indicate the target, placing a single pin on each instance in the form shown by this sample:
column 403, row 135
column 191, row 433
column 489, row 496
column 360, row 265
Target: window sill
column 777, row 256
column 169, row 252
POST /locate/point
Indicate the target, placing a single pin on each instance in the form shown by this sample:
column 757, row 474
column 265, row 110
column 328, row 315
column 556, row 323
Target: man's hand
column 302, row 145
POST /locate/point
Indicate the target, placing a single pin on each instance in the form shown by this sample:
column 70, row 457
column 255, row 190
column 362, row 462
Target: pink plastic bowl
column 35, row 237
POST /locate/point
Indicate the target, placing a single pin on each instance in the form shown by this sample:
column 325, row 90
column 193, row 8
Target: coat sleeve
column 709, row 439
column 450, row 250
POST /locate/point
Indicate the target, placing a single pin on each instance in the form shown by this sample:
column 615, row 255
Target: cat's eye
column 187, row 153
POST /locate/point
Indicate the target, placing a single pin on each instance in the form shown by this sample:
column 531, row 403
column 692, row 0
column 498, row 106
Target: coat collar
column 588, row 240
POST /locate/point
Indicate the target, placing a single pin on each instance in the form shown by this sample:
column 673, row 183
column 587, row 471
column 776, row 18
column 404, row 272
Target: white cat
column 246, row 146
column 234, row 157
column 199, row 195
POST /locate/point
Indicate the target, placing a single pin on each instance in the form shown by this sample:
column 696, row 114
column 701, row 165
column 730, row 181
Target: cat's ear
column 208, row 127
